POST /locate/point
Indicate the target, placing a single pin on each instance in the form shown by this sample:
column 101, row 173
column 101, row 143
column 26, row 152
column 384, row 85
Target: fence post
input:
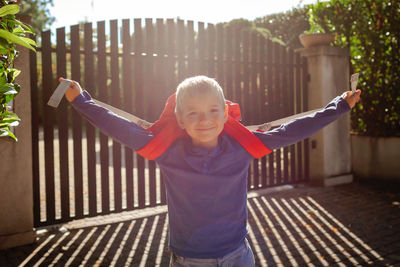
column 330, row 149
column 16, row 193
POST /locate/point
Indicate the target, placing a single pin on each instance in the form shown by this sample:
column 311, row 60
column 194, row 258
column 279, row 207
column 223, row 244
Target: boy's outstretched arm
column 303, row 127
column 119, row 128
column 75, row 90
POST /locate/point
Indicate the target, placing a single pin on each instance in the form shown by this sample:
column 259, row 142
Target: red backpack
column 167, row 130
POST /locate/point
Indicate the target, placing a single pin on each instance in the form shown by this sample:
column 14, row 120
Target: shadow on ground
column 348, row 225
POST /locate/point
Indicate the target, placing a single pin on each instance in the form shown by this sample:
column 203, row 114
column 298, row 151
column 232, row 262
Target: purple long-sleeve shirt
column 206, row 190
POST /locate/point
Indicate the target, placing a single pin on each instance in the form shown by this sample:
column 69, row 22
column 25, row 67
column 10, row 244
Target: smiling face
column 203, row 117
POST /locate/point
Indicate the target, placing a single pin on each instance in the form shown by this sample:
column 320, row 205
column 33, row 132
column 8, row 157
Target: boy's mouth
column 205, row 129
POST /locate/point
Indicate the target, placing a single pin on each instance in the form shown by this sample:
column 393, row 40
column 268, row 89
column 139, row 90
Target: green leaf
column 28, row 40
column 4, row 44
column 14, row 124
column 3, row 80
column 27, row 27
column 10, row 134
column 12, row 38
column 3, row 132
column 15, row 73
column 9, row 10
column 9, row 123
column 3, row 24
column 10, row 97
column 10, row 114
column 18, row 30
column 8, row 89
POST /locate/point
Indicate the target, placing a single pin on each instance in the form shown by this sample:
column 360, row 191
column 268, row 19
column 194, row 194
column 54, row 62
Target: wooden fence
column 136, row 65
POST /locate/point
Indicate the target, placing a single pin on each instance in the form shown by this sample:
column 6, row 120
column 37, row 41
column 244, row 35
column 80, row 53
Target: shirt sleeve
column 303, row 127
column 111, row 124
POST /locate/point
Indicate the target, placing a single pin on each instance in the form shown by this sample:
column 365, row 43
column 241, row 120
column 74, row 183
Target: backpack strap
column 167, row 130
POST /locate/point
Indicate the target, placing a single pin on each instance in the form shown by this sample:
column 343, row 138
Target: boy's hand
column 264, row 127
column 144, row 124
column 73, row 91
column 352, row 98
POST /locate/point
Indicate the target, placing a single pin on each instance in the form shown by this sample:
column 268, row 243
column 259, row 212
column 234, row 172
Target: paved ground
column 347, row 225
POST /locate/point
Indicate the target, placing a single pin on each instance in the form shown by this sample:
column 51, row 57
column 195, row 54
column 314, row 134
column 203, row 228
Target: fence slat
column 127, row 102
column 298, row 110
column 245, row 103
column 255, row 96
column 181, row 50
column 160, row 67
column 211, row 50
column 63, row 128
column 161, row 50
column 229, row 62
column 254, row 107
column 237, row 65
column 292, row 148
column 103, row 96
column 190, row 49
column 138, row 85
column 278, row 105
column 48, row 122
column 262, row 98
column 150, row 93
column 305, row 107
column 220, row 56
column 35, row 137
column 171, row 81
column 285, row 110
column 116, row 101
column 90, row 131
column 270, row 109
column 244, row 92
column 201, row 68
column 77, row 124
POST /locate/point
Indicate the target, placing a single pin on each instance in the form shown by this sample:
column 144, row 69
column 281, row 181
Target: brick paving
column 346, row 225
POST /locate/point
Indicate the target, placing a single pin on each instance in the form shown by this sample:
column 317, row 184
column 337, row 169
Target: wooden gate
column 135, row 65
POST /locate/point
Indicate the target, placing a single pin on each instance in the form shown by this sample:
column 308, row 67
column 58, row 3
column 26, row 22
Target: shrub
column 370, row 29
column 12, row 31
column 286, row 26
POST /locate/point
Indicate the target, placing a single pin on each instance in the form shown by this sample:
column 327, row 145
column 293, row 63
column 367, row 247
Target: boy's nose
column 203, row 116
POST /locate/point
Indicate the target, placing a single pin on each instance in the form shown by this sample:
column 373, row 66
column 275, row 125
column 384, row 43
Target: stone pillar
column 330, row 149
column 16, row 194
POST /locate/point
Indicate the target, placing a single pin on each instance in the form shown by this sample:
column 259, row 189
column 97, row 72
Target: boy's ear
column 179, row 120
column 226, row 113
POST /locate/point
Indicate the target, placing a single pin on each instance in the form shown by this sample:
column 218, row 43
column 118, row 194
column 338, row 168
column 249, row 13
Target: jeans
column 240, row 257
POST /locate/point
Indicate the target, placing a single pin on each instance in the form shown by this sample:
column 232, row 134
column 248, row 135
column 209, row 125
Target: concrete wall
column 16, row 199
column 376, row 157
column 330, row 150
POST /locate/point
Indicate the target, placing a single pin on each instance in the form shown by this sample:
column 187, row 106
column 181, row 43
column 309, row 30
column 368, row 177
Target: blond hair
column 195, row 86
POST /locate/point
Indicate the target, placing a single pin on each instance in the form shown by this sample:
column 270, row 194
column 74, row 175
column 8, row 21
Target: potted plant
column 316, row 35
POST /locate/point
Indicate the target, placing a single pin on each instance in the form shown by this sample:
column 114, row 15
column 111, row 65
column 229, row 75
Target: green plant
column 252, row 27
column 315, row 27
column 12, row 32
column 286, row 26
column 370, row 30
column 39, row 11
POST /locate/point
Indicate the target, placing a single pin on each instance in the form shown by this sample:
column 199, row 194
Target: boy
column 205, row 174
